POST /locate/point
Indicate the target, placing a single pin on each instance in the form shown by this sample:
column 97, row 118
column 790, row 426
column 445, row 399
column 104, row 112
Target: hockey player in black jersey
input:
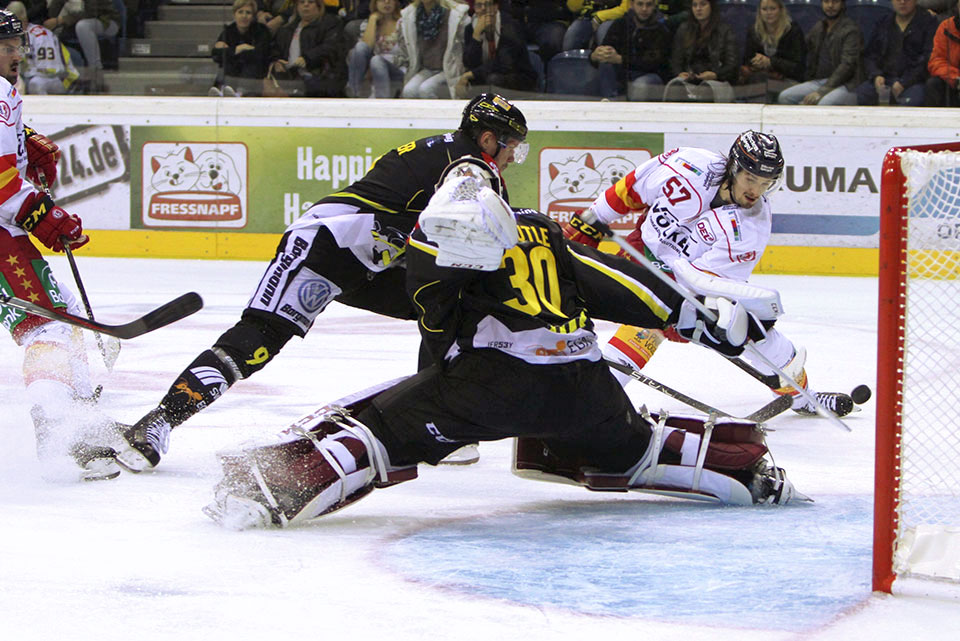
column 348, row 247
column 505, row 304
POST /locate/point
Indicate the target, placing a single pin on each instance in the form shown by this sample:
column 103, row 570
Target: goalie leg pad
column 688, row 457
column 315, row 470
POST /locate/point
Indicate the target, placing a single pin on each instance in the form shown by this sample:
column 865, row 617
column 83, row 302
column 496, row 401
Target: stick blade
column 177, row 309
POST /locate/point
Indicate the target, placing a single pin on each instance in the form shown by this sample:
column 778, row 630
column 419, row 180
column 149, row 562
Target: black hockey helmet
column 475, row 168
column 758, row 153
column 10, row 26
column 494, row 112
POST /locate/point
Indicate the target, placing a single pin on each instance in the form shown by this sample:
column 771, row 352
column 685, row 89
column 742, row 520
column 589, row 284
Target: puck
column 861, row 394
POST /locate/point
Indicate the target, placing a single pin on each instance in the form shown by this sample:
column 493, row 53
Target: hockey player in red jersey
column 706, row 219
column 506, row 305
column 348, row 247
column 55, row 371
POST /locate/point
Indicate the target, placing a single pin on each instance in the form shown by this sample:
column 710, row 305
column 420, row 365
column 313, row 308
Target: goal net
column 917, row 498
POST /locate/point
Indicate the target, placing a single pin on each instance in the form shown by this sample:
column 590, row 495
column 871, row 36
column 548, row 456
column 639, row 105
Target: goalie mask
column 759, row 154
column 493, row 112
column 474, row 168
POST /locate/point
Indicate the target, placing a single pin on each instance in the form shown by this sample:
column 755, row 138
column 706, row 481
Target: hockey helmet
column 475, row 168
column 10, row 26
column 490, row 111
column 758, row 153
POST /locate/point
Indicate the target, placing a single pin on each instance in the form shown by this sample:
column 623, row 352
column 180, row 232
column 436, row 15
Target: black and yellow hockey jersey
column 539, row 304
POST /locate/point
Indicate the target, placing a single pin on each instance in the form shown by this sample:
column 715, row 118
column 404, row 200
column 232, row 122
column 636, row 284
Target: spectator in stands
column 635, row 55
column 593, row 19
column 775, row 52
column 276, row 13
column 944, row 65
column 834, row 46
column 47, row 69
column 376, row 50
column 242, row 51
column 544, row 23
column 308, row 53
column 895, row 59
column 431, row 47
column 95, row 19
column 704, row 59
column 494, row 52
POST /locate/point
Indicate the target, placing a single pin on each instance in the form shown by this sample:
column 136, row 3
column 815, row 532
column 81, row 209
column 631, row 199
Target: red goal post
column 917, row 477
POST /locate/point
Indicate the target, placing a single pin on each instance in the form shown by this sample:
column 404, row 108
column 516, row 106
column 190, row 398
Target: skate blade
column 133, row 461
column 466, row 455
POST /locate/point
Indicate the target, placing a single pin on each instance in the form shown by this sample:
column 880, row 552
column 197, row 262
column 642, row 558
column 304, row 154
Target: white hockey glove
column 734, row 325
column 471, row 225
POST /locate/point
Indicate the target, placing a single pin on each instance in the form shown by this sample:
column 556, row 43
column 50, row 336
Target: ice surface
column 467, row 552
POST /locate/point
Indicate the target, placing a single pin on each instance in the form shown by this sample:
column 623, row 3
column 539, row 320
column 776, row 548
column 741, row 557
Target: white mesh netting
column 928, row 537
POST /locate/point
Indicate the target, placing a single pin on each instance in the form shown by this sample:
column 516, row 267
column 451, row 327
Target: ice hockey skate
column 837, row 402
column 63, row 447
column 144, row 442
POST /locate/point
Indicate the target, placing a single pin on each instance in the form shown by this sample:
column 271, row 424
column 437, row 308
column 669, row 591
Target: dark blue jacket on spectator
column 911, row 64
column 644, row 46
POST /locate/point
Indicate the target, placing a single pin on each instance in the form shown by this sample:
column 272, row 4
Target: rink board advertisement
column 259, row 180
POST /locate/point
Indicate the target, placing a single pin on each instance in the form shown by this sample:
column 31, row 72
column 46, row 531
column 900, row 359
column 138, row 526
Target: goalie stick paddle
column 171, row 312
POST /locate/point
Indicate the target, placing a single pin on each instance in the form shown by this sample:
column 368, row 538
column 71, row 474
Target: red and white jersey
column 14, row 188
column 48, row 57
column 677, row 189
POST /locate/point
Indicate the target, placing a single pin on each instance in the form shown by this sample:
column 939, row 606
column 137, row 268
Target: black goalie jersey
column 538, row 305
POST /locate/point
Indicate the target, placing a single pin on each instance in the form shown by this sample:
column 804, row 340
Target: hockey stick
column 171, row 312
column 664, row 389
column 109, row 357
column 749, row 345
column 773, row 408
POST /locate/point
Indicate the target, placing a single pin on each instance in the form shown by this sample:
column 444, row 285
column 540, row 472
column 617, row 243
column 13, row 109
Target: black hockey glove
column 727, row 334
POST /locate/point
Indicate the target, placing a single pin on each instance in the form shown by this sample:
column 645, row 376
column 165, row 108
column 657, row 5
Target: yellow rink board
column 821, row 261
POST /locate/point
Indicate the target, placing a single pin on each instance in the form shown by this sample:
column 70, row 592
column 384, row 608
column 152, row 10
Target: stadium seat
column 867, row 13
column 740, row 15
column 805, row 13
column 571, row 73
column 537, row 64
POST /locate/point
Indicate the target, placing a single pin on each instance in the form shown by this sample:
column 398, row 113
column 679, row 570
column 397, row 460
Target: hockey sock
column 633, row 346
column 203, row 382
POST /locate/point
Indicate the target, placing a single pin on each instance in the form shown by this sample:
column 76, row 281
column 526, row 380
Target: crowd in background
column 676, row 50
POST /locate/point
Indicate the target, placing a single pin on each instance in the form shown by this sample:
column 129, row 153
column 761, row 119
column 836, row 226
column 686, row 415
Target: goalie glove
column 470, row 224
column 727, row 334
column 42, row 157
column 50, row 224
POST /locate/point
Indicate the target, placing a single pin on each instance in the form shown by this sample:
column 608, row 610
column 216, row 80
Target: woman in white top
column 376, row 50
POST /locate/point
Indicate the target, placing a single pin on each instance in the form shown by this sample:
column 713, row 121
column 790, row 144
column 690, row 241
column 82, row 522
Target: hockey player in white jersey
column 47, row 68
column 55, row 371
column 706, row 219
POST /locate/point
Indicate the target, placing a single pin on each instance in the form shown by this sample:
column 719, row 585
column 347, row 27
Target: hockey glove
column 50, row 224
column 734, row 325
column 470, row 224
column 585, row 228
column 42, row 158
